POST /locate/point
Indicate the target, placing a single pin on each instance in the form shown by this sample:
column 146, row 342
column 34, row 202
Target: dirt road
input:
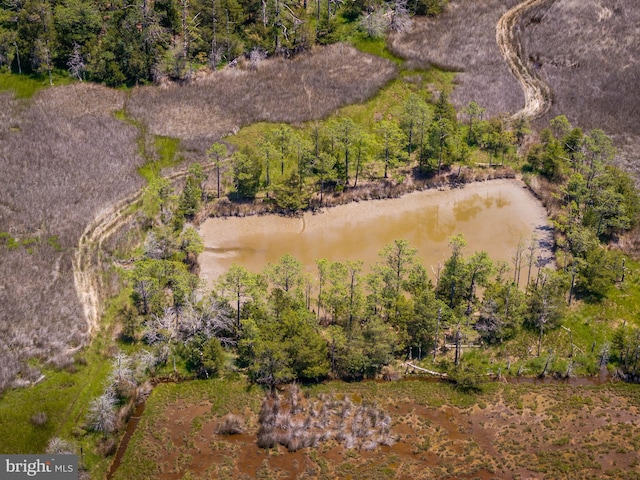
column 537, row 93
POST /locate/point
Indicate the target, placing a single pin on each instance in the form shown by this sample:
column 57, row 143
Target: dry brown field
column 64, row 157
column 588, row 52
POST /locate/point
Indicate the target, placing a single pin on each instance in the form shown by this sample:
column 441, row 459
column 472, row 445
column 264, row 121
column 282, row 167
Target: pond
column 492, row 215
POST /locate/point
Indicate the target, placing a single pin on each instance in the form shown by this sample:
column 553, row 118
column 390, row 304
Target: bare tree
column 375, row 23
column 517, row 261
column 102, row 413
column 531, row 255
column 256, row 57
column 76, row 63
column 122, row 378
column 400, row 18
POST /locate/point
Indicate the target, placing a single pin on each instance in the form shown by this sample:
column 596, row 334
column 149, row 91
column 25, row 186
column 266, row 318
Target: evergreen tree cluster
column 141, row 41
column 292, row 166
column 598, row 202
column 347, row 320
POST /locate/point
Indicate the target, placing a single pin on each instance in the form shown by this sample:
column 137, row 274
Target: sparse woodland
column 270, row 135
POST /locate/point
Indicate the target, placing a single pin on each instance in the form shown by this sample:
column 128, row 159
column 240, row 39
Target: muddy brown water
column 493, row 216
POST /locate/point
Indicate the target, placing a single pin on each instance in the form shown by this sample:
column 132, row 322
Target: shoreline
column 223, row 236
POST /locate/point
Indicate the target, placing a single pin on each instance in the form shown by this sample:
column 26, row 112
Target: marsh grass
column 64, row 158
column 440, row 432
column 463, row 40
column 310, row 86
column 575, row 40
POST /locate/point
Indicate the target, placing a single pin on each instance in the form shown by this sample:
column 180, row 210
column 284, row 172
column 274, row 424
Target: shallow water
column 493, row 216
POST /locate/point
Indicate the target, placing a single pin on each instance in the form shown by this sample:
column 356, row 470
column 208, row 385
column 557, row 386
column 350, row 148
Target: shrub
column 204, row 356
column 58, row 446
column 467, row 378
column 102, row 413
column 39, row 419
column 107, row 446
column 230, row 425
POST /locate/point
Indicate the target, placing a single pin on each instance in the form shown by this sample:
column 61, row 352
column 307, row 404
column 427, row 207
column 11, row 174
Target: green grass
column 389, row 101
column 433, row 393
column 621, row 304
column 374, row 46
column 63, row 396
column 167, row 149
column 159, row 151
column 26, row 86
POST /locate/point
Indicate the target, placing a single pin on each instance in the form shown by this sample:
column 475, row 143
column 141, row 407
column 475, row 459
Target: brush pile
column 295, row 421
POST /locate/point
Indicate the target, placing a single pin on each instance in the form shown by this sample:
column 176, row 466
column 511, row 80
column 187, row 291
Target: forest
column 348, row 320
column 121, row 43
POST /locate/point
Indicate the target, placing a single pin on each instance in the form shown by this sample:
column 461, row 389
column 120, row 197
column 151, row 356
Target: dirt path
column 87, row 274
column 537, row 93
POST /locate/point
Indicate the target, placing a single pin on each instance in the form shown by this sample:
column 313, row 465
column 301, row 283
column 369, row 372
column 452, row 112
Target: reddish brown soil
column 524, row 431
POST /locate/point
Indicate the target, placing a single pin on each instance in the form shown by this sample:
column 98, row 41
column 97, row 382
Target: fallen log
column 430, row 372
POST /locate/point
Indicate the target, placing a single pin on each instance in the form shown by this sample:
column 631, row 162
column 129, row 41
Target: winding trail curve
column 86, row 275
column 86, row 265
column 537, row 94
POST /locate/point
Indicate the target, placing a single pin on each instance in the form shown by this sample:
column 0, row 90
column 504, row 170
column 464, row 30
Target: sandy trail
column 86, row 270
column 537, row 93
column 86, row 275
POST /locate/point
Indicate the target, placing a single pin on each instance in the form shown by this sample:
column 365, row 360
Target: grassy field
column 63, row 396
column 27, row 86
column 509, row 431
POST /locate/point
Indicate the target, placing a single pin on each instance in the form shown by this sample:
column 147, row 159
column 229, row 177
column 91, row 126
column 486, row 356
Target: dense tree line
column 135, row 42
column 598, row 202
column 348, row 320
column 293, row 168
column 342, row 320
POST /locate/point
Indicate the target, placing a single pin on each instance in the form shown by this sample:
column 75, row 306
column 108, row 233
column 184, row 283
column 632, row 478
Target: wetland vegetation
column 111, row 203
